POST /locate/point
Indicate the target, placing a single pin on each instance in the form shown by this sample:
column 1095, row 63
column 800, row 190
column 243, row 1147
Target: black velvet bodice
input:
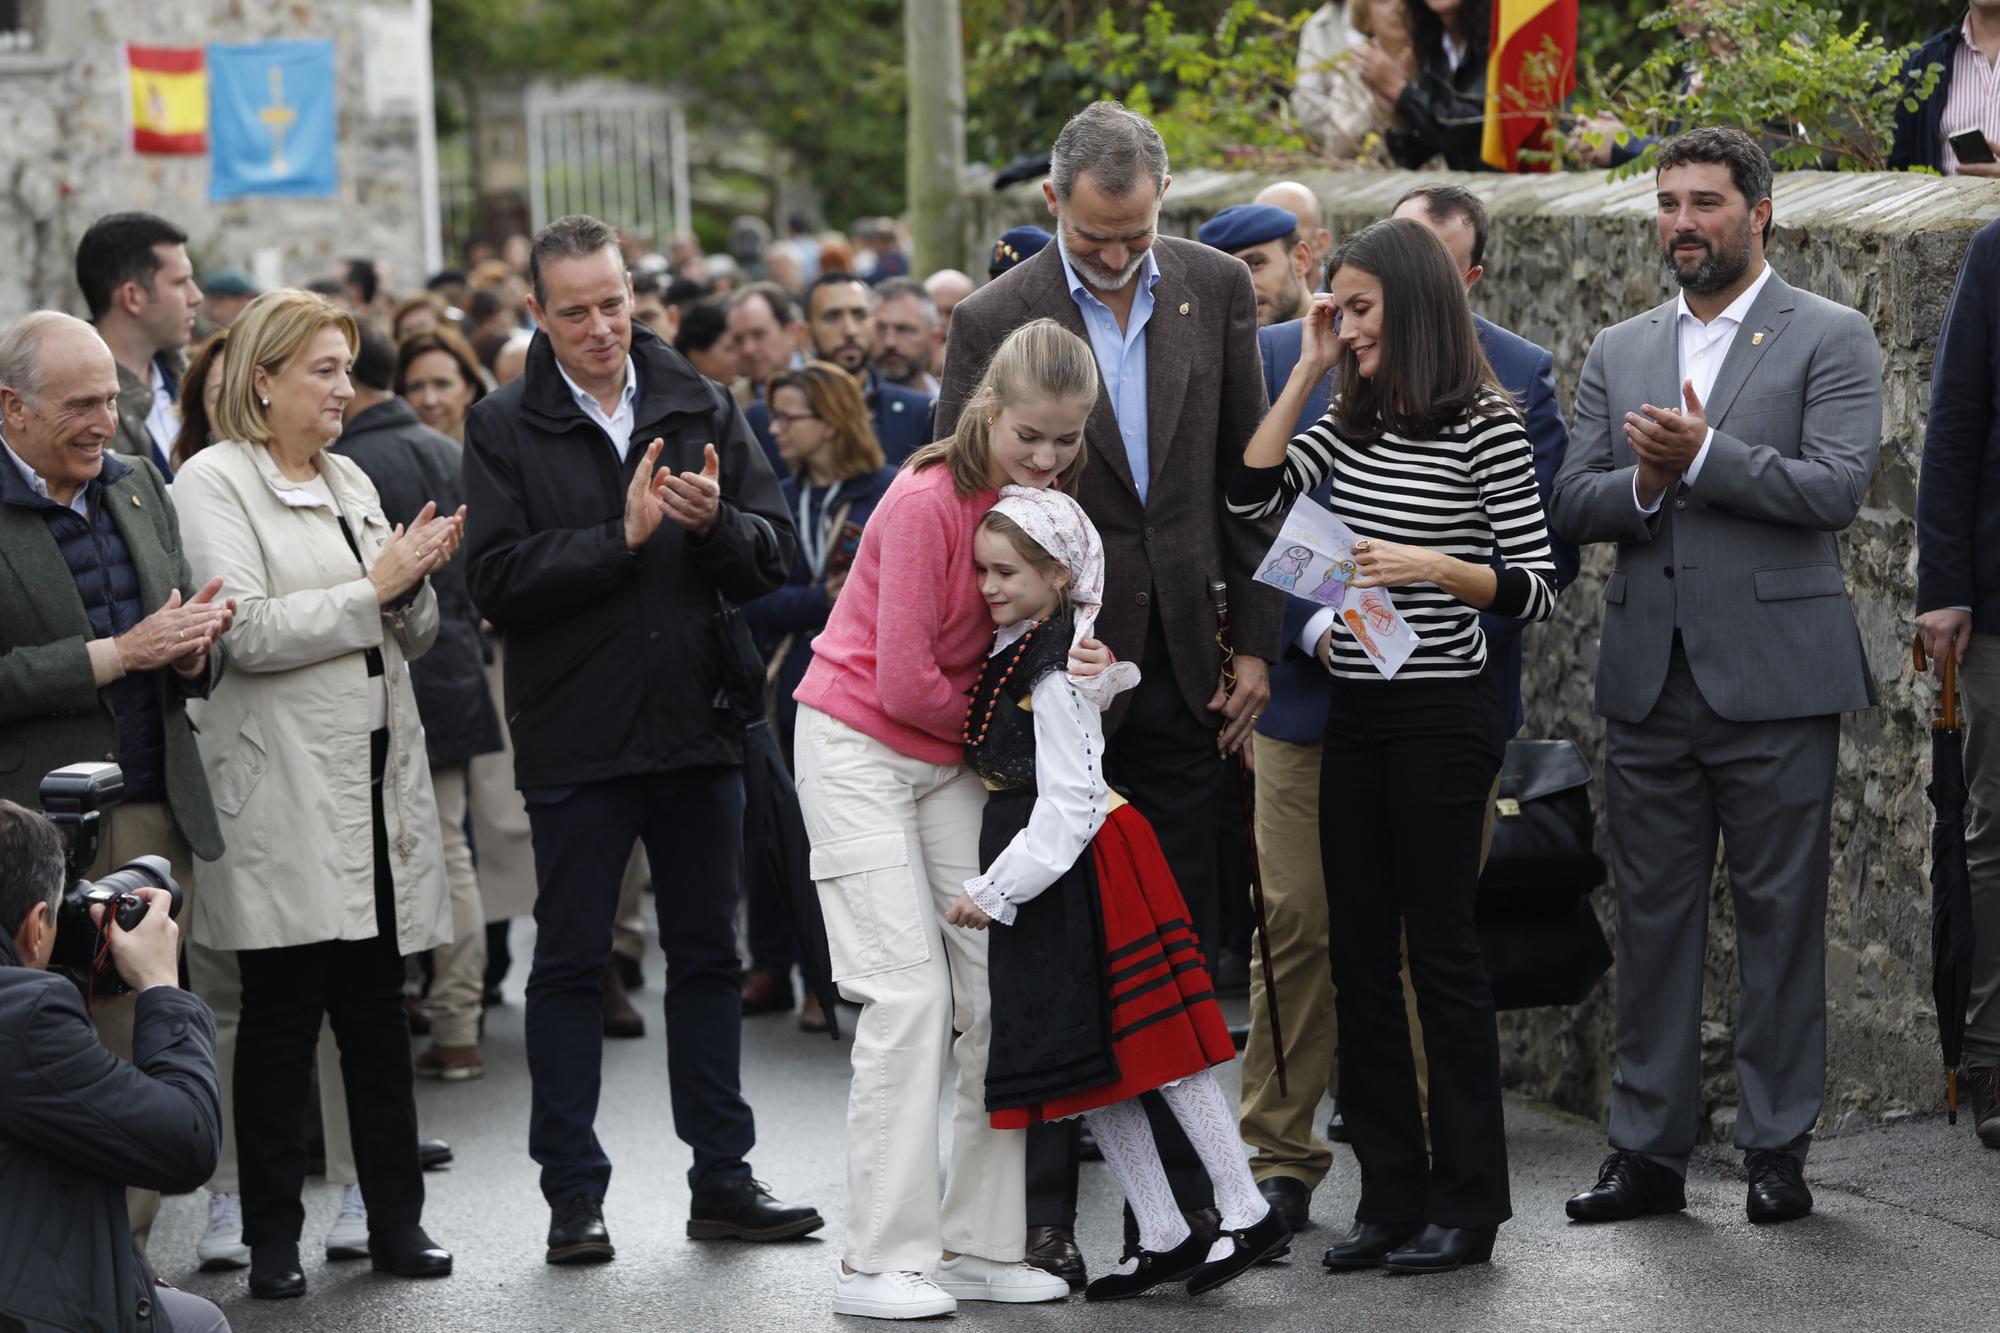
column 1004, row 757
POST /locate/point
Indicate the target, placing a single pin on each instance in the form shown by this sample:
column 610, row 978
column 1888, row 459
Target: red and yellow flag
column 169, row 98
column 1531, row 69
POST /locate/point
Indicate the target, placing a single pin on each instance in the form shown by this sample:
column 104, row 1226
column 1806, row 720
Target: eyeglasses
column 792, row 418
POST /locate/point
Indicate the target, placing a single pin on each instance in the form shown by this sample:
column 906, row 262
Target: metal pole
column 427, row 146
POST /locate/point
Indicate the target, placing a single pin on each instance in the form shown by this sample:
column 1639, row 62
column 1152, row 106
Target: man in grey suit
column 1722, row 440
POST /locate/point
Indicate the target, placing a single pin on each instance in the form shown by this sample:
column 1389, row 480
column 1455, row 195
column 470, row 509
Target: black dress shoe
column 1438, row 1249
column 407, row 1252
column 1264, row 1240
column 1629, row 1185
column 577, row 1234
column 1053, row 1250
column 1155, row 1267
column 629, row 970
column 1368, row 1245
column 275, row 1274
column 1336, row 1126
column 744, row 1210
column 433, row 1153
column 1778, row 1190
column 1290, row 1197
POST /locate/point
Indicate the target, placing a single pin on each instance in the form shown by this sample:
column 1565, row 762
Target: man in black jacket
column 615, row 497
column 1964, row 54
column 77, row 1124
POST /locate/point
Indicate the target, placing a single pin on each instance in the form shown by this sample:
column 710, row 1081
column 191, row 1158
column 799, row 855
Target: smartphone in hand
column 1971, row 146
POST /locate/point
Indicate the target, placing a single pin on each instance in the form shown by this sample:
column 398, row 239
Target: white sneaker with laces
column 890, row 1296
column 971, row 1278
column 221, row 1246
column 349, row 1237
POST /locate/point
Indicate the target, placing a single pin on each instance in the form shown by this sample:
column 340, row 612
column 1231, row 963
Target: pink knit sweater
column 905, row 640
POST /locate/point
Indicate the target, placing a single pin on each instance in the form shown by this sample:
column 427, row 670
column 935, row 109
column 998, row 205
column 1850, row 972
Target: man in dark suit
column 1958, row 612
column 1174, row 327
column 840, row 321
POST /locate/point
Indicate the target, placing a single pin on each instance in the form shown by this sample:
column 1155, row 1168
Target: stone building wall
column 1570, row 255
column 63, row 159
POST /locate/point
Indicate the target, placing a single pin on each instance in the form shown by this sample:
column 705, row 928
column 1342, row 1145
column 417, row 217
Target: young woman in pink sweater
column 894, row 817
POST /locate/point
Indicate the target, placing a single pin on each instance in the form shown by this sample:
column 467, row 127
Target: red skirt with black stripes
column 1165, row 1023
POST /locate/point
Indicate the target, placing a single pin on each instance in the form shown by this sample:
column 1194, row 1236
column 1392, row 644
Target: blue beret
column 1016, row 245
column 1241, row 226
column 229, row 282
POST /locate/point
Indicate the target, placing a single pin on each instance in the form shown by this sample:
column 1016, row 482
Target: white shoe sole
column 221, row 1258
column 980, row 1291
column 863, row 1308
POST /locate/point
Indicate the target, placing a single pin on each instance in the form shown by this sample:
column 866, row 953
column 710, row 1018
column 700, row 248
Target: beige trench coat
column 285, row 737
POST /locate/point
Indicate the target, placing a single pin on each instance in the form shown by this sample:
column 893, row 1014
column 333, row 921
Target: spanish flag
column 1526, row 77
column 169, row 98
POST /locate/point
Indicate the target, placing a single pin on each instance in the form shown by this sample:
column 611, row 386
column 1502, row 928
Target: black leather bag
column 1543, row 856
column 1537, row 961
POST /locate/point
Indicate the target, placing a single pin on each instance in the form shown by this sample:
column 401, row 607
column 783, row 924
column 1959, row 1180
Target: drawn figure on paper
column 1286, row 569
column 1361, row 635
column 1378, row 612
column 1338, row 575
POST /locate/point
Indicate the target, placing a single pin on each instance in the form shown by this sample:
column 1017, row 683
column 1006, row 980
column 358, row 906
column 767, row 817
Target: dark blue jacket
column 1919, row 140
column 1958, row 491
column 1297, row 711
column 902, row 420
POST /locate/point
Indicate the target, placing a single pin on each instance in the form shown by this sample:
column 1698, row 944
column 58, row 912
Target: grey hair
column 577, row 236
column 890, row 288
column 1114, row 144
column 21, row 350
column 33, row 868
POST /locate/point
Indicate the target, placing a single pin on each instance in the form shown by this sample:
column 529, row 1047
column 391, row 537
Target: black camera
column 75, row 799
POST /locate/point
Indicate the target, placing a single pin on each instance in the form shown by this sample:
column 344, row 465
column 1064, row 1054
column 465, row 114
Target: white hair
column 21, row 349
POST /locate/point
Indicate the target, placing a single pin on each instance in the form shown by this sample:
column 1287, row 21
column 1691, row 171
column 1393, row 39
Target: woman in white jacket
column 332, row 871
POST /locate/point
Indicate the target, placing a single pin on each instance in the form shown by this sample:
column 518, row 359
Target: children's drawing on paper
column 1284, row 570
column 1333, row 589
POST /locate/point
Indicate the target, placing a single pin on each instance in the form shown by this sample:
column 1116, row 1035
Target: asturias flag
column 169, row 98
column 273, row 113
column 1520, row 108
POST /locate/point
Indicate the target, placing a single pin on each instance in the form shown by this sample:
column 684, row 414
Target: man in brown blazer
column 1174, row 327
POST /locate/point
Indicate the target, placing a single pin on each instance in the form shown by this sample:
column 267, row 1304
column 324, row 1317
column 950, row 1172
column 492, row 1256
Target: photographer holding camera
column 78, row 1125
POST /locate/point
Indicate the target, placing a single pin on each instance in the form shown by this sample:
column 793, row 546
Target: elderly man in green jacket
column 103, row 637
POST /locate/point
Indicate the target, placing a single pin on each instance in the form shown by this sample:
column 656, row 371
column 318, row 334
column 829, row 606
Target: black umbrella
column 1951, row 883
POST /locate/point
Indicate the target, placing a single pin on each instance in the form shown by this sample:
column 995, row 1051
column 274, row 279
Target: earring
column 990, row 421
column 265, row 401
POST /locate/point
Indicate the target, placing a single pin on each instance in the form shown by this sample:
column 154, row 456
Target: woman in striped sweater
column 1433, row 470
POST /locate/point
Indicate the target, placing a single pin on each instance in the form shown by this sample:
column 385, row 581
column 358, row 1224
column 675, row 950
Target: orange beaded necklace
column 993, row 697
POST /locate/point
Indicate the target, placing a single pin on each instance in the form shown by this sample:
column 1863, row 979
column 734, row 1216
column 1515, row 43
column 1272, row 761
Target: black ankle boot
column 275, row 1274
column 407, row 1252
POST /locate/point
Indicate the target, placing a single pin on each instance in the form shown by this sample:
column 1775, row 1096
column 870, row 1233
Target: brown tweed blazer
column 1204, row 398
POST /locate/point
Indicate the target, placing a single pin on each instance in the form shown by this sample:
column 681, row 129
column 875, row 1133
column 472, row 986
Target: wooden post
column 934, row 162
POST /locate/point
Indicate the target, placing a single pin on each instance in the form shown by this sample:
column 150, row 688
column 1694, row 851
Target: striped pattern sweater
column 1464, row 493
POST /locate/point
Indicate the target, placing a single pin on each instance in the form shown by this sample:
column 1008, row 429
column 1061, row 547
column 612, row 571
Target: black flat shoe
column 1267, row 1239
column 1438, row 1249
column 1336, row 1127
column 577, row 1234
column 1367, row 1246
column 1778, row 1190
column 744, row 1210
column 275, row 1274
column 407, row 1252
column 433, row 1153
column 1204, row 1223
column 1290, row 1197
column 1629, row 1185
column 1155, row 1267
column 1053, row 1250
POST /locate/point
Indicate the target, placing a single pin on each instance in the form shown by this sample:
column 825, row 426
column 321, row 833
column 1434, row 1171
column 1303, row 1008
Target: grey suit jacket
column 1204, row 398
column 1746, row 562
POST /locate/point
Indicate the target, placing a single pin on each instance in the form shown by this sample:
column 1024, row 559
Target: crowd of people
column 406, row 617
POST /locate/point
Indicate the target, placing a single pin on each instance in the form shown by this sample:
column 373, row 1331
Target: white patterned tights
column 1125, row 1136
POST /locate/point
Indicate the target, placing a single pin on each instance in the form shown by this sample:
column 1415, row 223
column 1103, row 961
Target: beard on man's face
column 1707, row 269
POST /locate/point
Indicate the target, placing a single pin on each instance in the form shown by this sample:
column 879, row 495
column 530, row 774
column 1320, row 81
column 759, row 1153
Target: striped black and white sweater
column 1463, row 493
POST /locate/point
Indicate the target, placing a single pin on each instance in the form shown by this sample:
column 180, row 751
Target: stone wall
column 1571, row 254
column 63, row 160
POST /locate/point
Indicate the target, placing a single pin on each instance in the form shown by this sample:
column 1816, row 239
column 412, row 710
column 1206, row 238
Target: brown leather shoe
column 453, row 1064
column 1053, row 1250
column 620, row 1018
column 812, row 1014
column 1985, row 1086
column 766, row 992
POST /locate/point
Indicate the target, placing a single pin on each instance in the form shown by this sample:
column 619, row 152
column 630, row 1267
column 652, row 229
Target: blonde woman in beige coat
column 333, row 870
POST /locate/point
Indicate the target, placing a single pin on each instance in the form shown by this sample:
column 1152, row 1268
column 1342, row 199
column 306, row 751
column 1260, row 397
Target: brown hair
column 836, row 399
column 1030, row 550
column 421, row 301
column 196, row 432
column 1431, row 371
column 1039, row 362
column 452, row 344
column 267, row 336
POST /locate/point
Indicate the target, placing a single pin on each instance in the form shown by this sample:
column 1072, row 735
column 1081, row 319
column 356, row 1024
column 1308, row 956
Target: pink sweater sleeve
column 912, row 607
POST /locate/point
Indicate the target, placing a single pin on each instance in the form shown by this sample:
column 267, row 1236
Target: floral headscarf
column 1059, row 525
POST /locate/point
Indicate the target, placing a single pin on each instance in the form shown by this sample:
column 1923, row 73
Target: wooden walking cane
column 1218, row 592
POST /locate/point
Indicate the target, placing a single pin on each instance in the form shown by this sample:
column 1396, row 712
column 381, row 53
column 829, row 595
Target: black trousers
column 692, row 823
column 1406, row 772
column 286, row 994
column 768, row 924
column 1163, row 760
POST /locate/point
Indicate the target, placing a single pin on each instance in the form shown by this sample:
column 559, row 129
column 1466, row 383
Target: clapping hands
column 415, row 551
column 690, row 499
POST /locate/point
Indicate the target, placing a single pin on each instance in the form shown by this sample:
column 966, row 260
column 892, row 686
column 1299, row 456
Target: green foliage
column 1820, row 94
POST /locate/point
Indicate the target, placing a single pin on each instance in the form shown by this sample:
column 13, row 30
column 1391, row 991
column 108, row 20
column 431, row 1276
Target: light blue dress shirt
column 1121, row 357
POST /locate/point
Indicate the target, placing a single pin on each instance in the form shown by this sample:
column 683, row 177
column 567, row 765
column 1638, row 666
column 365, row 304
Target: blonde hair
column 270, row 334
column 835, row 398
column 1039, row 362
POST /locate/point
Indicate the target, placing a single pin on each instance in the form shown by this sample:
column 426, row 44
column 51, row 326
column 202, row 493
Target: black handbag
column 1536, row 961
column 739, row 667
column 1543, row 856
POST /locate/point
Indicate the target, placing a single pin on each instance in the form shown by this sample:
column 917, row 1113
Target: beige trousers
column 499, row 817
column 894, row 840
column 459, row 978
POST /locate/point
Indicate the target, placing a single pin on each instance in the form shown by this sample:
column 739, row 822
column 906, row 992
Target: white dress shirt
column 163, row 423
column 80, row 502
column 619, row 425
column 1703, row 349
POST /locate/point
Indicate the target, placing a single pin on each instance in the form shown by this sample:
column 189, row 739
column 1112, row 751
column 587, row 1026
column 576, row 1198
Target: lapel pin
column 897, row 407
column 136, row 504
column 1757, row 338
column 1184, row 307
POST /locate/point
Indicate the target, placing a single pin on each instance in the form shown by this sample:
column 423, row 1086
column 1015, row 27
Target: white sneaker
column 349, row 1237
column 890, row 1296
column 221, row 1246
column 971, row 1278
